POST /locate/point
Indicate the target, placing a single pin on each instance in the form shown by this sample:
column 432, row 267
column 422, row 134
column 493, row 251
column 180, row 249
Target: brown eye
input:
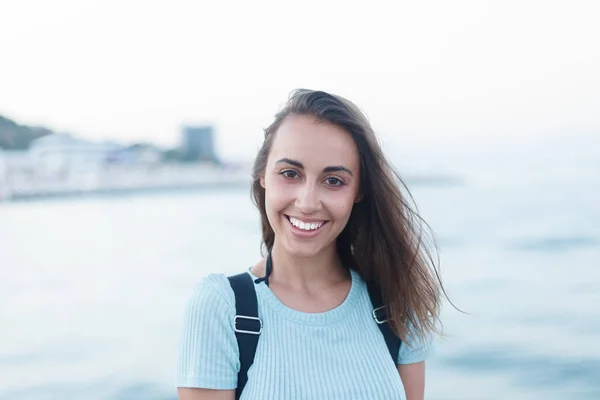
column 332, row 181
column 289, row 174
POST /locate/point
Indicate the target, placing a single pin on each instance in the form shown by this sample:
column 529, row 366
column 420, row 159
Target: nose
column 307, row 200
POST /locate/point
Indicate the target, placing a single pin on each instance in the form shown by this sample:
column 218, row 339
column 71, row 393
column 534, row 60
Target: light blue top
column 338, row 354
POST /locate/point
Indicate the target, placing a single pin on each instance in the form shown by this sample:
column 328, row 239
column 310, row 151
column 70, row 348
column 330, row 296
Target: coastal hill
column 18, row 137
column 14, row 136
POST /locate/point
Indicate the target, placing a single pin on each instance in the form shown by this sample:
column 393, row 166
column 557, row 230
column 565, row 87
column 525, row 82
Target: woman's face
column 311, row 183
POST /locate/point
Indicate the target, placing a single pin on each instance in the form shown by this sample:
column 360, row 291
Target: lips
column 305, row 225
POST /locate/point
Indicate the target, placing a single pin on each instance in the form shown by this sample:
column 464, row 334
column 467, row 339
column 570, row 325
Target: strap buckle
column 249, row 328
column 380, row 315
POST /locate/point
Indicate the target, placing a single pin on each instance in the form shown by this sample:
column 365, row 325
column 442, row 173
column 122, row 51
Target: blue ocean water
column 92, row 289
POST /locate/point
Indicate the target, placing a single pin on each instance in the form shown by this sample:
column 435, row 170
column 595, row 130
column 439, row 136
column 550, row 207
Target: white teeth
column 307, row 226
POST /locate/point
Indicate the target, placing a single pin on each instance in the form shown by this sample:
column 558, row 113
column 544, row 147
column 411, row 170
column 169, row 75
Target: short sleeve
column 208, row 355
column 416, row 350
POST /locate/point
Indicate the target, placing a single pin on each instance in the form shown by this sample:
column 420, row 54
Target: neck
column 324, row 267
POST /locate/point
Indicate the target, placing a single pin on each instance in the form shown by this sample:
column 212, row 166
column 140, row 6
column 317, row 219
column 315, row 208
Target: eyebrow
column 333, row 168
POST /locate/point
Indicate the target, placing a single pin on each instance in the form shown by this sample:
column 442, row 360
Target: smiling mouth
column 305, row 225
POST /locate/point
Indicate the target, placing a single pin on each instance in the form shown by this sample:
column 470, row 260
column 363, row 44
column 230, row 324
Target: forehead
column 305, row 139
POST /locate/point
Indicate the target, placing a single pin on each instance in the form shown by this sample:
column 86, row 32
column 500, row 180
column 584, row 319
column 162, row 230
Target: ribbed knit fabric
column 338, row 354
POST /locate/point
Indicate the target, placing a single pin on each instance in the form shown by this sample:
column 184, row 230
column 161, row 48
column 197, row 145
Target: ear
column 262, row 180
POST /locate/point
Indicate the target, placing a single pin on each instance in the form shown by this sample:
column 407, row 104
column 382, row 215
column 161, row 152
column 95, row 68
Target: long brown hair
column 384, row 239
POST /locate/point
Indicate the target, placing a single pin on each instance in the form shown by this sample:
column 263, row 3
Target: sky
column 434, row 73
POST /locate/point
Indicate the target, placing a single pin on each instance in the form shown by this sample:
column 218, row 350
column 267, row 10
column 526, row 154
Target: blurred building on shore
column 198, row 144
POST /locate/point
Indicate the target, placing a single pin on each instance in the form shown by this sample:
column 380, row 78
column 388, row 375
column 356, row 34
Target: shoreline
column 155, row 184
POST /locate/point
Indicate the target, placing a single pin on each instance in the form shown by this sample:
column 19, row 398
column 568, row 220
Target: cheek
column 277, row 198
column 346, row 210
column 341, row 207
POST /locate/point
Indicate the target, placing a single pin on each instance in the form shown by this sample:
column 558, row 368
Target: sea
column 92, row 288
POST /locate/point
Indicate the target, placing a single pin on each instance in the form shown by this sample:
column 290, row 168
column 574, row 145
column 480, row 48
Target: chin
column 303, row 249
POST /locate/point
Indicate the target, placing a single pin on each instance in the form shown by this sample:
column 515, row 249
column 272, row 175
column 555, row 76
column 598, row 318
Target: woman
column 335, row 224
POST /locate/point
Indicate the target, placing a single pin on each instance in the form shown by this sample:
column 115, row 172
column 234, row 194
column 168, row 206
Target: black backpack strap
column 246, row 324
column 380, row 316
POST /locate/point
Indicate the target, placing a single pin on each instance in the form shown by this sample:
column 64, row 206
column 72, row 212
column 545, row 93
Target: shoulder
column 415, row 348
column 213, row 285
column 208, row 353
column 211, row 292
